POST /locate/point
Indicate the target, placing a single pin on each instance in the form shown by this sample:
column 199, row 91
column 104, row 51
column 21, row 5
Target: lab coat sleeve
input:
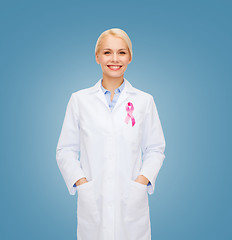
column 153, row 145
column 67, row 151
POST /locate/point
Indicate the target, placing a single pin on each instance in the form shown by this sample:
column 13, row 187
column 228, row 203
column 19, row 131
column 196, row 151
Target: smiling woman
column 114, row 57
column 117, row 130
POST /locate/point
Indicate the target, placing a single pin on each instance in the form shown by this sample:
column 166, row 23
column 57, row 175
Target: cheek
column 105, row 61
column 102, row 59
column 125, row 64
column 126, row 60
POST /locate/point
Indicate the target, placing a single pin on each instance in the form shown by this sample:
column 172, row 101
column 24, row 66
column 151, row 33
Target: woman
column 116, row 129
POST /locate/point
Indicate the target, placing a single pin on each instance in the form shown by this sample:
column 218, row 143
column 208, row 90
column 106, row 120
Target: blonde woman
column 117, row 131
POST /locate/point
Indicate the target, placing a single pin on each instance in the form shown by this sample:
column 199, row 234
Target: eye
column 106, row 52
column 122, row 53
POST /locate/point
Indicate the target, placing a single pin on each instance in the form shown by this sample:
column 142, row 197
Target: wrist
column 81, row 181
column 142, row 179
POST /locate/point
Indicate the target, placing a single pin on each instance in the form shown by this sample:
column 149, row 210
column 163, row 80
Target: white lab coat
column 111, row 205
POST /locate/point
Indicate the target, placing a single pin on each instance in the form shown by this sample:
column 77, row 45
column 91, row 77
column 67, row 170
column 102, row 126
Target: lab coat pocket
column 87, row 209
column 136, row 214
column 136, row 201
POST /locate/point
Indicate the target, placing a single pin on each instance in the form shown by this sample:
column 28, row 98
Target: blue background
column 182, row 56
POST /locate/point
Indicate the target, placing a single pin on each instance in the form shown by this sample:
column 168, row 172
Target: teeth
column 115, row 67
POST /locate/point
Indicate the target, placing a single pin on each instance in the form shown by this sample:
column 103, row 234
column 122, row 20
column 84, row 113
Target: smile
column 114, row 67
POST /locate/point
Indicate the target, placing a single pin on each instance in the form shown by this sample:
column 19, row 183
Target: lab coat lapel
column 125, row 94
column 96, row 89
column 122, row 97
column 102, row 98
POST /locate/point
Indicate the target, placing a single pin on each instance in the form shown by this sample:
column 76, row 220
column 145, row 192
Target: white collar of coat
column 128, row 87
column 126, row 93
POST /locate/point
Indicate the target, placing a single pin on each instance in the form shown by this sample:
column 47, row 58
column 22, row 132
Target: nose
column 115, row 57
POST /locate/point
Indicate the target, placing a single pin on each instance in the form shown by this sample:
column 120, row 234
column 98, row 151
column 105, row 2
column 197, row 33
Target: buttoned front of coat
column 113, row 153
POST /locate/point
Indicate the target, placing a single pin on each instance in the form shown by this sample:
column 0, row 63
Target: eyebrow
column 111, row 49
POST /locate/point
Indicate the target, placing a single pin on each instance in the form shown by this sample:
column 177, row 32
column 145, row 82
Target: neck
column 111, row 83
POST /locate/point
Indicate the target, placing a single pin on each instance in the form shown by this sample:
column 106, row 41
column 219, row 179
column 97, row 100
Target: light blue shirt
column 112, row 103
column 117, row 92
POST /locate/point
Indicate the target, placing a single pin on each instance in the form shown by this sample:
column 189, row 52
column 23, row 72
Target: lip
column 115, row 66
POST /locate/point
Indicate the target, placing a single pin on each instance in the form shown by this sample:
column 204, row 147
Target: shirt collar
column 119, row 89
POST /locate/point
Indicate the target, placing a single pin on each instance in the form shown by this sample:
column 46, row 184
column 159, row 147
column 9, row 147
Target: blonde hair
column 117, row 32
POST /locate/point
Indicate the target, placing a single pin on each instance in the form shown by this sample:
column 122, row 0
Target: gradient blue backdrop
column 182, row 56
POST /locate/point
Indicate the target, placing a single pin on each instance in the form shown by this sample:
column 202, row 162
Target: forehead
column 113, row 42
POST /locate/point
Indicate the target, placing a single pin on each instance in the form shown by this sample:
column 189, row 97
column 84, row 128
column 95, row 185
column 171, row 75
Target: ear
column 96, row 57
column 130, row 60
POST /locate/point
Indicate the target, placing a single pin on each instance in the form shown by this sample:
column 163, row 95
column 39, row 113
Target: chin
column 115, row 76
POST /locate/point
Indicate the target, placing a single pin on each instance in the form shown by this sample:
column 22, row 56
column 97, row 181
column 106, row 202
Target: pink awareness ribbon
column 129, row 113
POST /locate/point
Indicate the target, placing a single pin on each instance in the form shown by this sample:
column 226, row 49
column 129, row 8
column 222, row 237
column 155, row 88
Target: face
column 114, row 56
